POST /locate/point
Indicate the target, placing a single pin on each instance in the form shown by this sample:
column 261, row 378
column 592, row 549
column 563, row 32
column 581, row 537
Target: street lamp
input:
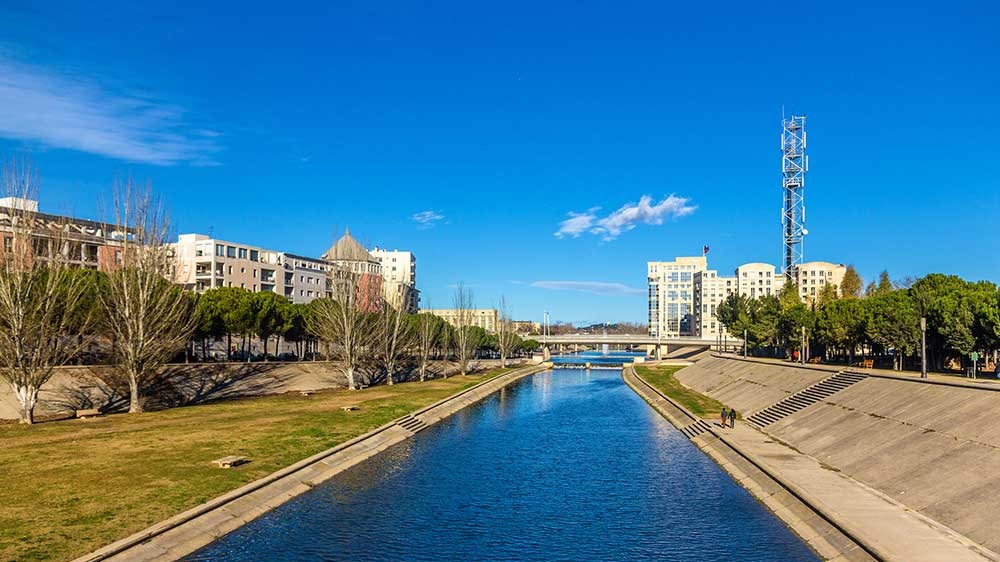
column 923, row 347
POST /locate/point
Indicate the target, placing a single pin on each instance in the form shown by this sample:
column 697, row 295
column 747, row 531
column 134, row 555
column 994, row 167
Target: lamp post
column 923, row 348
column 744, row 343
column 802, row 353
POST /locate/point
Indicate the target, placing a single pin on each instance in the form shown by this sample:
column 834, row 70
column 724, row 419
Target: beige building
column 485, row 318
column 205, row 263
column 671, row 295
column 758, row 280
column 399, row 278
column 812, row 276
column 710, row 290
column 526, row 327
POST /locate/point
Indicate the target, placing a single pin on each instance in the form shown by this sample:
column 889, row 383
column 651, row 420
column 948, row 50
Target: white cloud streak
column 626, row 218
column 427, row 219
column 74, row 112
column 591, row 287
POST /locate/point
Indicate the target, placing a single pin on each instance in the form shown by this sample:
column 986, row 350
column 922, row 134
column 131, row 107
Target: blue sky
column 469, row 132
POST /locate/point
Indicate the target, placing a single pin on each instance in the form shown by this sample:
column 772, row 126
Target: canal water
column 563, row 465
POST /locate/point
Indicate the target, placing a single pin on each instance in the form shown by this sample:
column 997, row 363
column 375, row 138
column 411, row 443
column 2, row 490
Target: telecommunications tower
column 794, row 165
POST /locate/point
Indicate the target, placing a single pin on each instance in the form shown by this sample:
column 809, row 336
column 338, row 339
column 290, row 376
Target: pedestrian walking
column 723, row 415
column 732, row 417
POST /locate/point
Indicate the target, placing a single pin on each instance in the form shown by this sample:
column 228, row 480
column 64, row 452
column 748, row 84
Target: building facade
column 485, row 318
column 399, row 278
column 811, row 277
column 671, row 295
column 710, row 290
column 758, row 280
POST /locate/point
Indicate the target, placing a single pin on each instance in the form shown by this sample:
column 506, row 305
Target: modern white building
column 710, row 289
column 671, row 295
column 812, row 276
column 399, row 278
column 758, row 280
column 485, row 318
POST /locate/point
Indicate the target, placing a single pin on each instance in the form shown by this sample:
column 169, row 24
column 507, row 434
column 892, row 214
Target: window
column 254, row 255
column 243, row 253
column 230, row 270
column 243, row 270
column 230, row 251
column 220, row 250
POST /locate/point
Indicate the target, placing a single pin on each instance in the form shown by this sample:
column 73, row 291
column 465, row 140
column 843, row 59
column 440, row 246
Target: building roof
column 347, row 249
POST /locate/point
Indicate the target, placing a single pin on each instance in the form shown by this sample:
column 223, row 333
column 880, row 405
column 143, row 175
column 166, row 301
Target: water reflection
column 565, row 465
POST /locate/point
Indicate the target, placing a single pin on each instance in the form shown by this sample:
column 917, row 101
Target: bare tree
column 150, row 318
column 506, row 338
column 428, row 330
column 464, row 339
column 348, row 322
column 42, row 301
column 396, row 336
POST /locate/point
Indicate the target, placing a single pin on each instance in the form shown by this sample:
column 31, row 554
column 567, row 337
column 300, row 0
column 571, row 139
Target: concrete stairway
column 805, row 397
column 411, row 424
column 695, row 429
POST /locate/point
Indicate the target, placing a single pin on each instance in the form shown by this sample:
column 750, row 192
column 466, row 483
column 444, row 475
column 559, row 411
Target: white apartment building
column 485, row 318
column 758, row 280
column 812, row 276
column 710, row 290
column 399, row 277
column 205, row 263
column 671, row 295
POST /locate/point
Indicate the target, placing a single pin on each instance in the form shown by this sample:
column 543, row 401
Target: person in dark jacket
column 732, row 417
column 723, row 415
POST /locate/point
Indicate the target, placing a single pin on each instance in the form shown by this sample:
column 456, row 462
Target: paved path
column 891, row 530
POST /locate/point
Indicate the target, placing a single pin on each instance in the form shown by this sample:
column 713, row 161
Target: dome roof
column 347, row 249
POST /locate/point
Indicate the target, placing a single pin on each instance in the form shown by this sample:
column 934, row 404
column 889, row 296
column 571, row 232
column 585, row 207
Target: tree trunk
column 423, row 369
column 135, row 401
column 265, row 340
column 349, row 373
column 229, row 346
column 27, row 396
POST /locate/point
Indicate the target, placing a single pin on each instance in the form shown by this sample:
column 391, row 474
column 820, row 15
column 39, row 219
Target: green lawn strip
column 662, row 378
column 70, row 487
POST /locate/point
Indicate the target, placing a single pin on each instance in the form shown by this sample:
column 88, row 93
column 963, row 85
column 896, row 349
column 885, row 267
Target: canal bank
column 192, row 529
column 841, row 518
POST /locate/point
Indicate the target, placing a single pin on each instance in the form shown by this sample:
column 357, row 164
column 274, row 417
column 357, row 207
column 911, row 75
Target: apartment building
column 85, row 243
column 399, row 278
column 758, row 280
column 485, row 318
column 710, row 290
column 205, row 263
column 671, row 295
column 812, row 276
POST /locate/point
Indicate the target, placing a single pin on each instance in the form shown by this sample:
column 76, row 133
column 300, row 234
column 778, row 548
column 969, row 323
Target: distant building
column 671, row 295
column 485, row 318
column 710, row 290
column 758, row 280
column 89, row 244
column 812, row 276
column 399, row 278
column 348, row 257
column 526, row 327
column 205, row 263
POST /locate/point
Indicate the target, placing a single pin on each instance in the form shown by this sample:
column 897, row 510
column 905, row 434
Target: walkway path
column 885, row 527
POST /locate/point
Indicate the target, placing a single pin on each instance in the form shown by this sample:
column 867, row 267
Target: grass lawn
column 662, row 377
column 70, row 487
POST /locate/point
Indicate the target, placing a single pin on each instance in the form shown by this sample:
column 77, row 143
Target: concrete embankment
column 187, row 532
column 824, row 536
column 932, row 447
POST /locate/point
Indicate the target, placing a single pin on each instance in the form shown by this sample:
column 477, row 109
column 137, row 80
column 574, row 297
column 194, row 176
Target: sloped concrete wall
column 934, row 448
column 746, row 385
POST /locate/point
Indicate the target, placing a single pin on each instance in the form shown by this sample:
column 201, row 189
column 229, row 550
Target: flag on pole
column 704, row 251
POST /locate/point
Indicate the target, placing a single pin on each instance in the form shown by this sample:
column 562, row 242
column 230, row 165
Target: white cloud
column 577, row 223
column 75, row 112
column 625, row 218
column 591, row 287
column 427, row 219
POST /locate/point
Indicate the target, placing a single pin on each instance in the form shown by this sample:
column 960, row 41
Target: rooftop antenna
column 794, row 165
